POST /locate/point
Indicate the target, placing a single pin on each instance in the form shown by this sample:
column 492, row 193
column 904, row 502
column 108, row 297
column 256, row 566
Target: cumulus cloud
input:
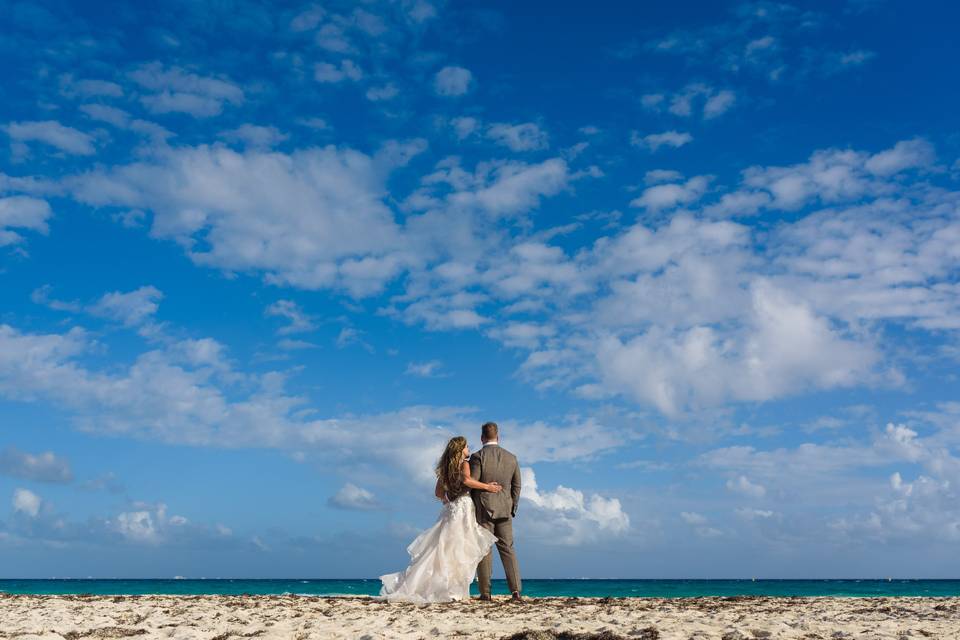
column 742, row 485
column 326, row 72
column 906, row 154
column 40, row 467
column 268, row 211
column 139, row 526
column 257, row 136
column 718, row 104
column 655, row 141
column 732, row 44
column 518, row 137
column 566, row 516
column 297, row 320
column 89, row 87
column 496, row 189
column 429, row 369
column 784, row 348
column 177, row 90
column 51, row 132
column 131, row 308
column 693, row 98
column 381, row 93
column 464, row 126
column 691, row 293
column 355, row 498
column 692, row 518
column 452, row 81
column 700, row 524
column 22, row 213
column 667, row 196
column 187, row 392
column 748, row 513
column 105, row 113
column 26, row 502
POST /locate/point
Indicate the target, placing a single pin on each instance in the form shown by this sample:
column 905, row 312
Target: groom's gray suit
column 495, row 511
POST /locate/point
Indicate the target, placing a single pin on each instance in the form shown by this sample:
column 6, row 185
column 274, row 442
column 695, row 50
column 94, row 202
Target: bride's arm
column 473, row 484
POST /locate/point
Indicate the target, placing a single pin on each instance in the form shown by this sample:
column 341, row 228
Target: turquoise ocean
column 531, row 587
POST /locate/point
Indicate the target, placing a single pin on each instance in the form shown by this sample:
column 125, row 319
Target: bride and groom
column 480, row 493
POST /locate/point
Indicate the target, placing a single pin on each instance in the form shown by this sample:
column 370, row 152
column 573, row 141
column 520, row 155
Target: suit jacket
column 493, row 463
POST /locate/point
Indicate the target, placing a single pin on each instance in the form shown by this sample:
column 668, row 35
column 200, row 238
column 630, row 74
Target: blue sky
column 699, row 260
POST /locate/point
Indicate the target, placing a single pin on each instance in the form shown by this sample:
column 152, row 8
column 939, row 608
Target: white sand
column 302, row 617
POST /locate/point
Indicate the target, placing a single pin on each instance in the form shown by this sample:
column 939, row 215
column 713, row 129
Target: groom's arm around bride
column 495, row 511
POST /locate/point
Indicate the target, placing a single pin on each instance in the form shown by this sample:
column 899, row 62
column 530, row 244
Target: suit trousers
column 503, row 529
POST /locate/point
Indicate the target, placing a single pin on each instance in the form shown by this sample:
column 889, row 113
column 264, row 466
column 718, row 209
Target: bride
column 444, row 558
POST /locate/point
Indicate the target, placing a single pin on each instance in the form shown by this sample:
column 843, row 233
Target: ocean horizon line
column 532, row 587
column 377, row 579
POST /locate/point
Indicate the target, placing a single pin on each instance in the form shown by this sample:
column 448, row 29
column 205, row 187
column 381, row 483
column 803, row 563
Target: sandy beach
column 303, row 617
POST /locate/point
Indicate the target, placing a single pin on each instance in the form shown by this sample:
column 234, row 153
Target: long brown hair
column 448, row 467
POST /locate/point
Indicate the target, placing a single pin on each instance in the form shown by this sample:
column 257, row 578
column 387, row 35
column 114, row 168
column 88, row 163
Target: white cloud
column 22, row 213
column 833, row 175
column 333, row 37
column 693, row 518
column 256, row 136
column 189, row 394
column 88, row 87
column 529, row 335
column 315, row 123
column 718, row 104
column 350, row 336
column 464, row 126
column 51, row 132
column 352, row 497
column 143, row 526
column 429, row 369
column 387, row 91
column 565, row 516
column 518, row 137
column 742, row 485
column 452, row 81
column 496, row 189
column 732, row 44
column 268, row 211
column 784, row 348
column 694, row 97
column 27, row 502
column 906, row 154
column 655, row 141
column 131, row 308
column 667, row 196
column 328, row 73
column 748, row 513
column 40, row 467
column 176, row 90
column 307, row 19
column 105, row 113
column 700, row 524
column 123, row 120
column 657, row 176
column 288, row 344
column 298, row 321
column 838, row 61
column 420, row 10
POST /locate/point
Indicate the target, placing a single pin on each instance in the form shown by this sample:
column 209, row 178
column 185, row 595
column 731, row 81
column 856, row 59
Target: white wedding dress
column 443, row 559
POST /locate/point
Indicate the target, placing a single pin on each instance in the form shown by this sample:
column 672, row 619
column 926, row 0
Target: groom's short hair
column 489, row 431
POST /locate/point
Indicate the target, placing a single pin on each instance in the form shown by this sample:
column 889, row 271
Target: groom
column 495, row 511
